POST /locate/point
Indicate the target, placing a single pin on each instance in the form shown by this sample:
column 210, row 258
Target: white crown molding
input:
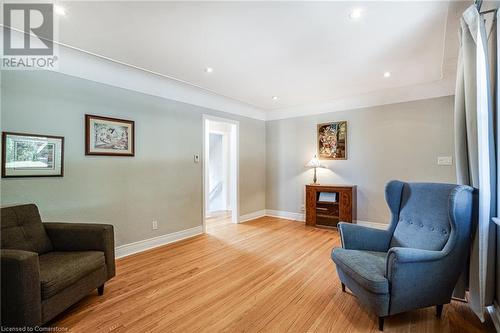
column 93, row 67
column 444, row 87
column 147, row 244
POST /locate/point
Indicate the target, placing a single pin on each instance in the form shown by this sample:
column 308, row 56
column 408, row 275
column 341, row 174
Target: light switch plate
column 445, row 160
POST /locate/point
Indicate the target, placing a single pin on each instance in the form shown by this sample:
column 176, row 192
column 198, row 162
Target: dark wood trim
column 88, row 117
column 345, row 210
column 4, row 154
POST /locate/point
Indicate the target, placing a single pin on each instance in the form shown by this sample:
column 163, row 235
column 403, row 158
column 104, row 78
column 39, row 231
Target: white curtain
column 475, row 115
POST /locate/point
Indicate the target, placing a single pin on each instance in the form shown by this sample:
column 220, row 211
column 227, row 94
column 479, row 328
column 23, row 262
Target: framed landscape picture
column 109, row 136
column 332, row 141
column 32, row 155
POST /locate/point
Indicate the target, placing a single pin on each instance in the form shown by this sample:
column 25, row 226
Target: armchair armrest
column 409, row 255
column 84, row 237
column 422, row 276
column 21, row 295
column 404, row 260
column 356, row 237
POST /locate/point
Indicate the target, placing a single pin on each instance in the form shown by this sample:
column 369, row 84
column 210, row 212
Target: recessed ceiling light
column 355, row 13
column 209, row 69
column 59, row 10
column 275, row 98
column 387, row 74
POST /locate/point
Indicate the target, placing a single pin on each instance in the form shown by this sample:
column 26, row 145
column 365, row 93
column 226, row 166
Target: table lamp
column 314, row 163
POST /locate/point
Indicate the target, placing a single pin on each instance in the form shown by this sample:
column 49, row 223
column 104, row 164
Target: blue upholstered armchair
column 417, row 261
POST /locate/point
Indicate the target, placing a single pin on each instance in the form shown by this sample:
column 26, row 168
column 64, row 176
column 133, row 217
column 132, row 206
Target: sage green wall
column 160, row 183
column 397, row 141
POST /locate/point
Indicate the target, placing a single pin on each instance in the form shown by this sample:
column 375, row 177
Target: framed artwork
column 332, row 141
column 32, row 155
column 109, row 136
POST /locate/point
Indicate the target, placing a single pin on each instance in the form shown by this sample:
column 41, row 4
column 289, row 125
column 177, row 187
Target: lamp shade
column 314, row 163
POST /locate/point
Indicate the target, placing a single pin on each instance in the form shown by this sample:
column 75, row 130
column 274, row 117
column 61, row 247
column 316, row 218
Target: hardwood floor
column 267, row 275
column 218, row 219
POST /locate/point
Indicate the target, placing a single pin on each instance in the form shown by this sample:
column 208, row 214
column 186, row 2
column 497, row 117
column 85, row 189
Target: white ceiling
column 303, row 52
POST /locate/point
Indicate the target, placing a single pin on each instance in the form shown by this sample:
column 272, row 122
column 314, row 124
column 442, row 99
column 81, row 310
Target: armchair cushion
column 22, row 229
column 59, row 270
column 84, row 237
column 423, row 217
column 367, row 268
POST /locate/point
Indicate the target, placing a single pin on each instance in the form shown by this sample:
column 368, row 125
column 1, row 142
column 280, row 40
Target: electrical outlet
column 154, row 225
column 302, row 208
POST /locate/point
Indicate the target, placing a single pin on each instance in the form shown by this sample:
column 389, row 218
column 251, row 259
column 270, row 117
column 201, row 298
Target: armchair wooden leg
column 100, row 290
column 343, row 287
column 380, row 323
column 439, row 310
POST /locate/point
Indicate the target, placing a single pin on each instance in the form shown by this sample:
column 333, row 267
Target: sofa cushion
column 367, row 268
column 59, row 270
column 22, row 229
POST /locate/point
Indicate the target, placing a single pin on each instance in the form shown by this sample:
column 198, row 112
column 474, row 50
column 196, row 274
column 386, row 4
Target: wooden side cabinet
column 328, row 210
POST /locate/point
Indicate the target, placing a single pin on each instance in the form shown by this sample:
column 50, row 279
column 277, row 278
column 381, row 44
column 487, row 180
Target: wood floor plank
column 266, row 275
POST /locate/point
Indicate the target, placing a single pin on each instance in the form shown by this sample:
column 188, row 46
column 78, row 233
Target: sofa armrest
column 84, row 237
column 356, row 237
column 21, row 295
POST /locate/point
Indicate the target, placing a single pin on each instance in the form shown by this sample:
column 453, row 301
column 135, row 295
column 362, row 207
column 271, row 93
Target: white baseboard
column 375, row 225
column 147, row 244
column 285, row 215
column 494, row 311
column 301, row 218
column 131, row 248
column 252, row 216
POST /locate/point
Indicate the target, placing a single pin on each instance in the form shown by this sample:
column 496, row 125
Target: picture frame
column 332, row 140
column 107, row 136
column 32, row 155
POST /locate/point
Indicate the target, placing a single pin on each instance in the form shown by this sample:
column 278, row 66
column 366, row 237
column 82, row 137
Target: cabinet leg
column 343, row 287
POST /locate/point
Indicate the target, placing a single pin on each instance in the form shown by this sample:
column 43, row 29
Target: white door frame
column 234, row 143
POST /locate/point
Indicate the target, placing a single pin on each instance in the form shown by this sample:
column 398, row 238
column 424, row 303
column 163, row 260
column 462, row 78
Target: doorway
column 220, row 172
